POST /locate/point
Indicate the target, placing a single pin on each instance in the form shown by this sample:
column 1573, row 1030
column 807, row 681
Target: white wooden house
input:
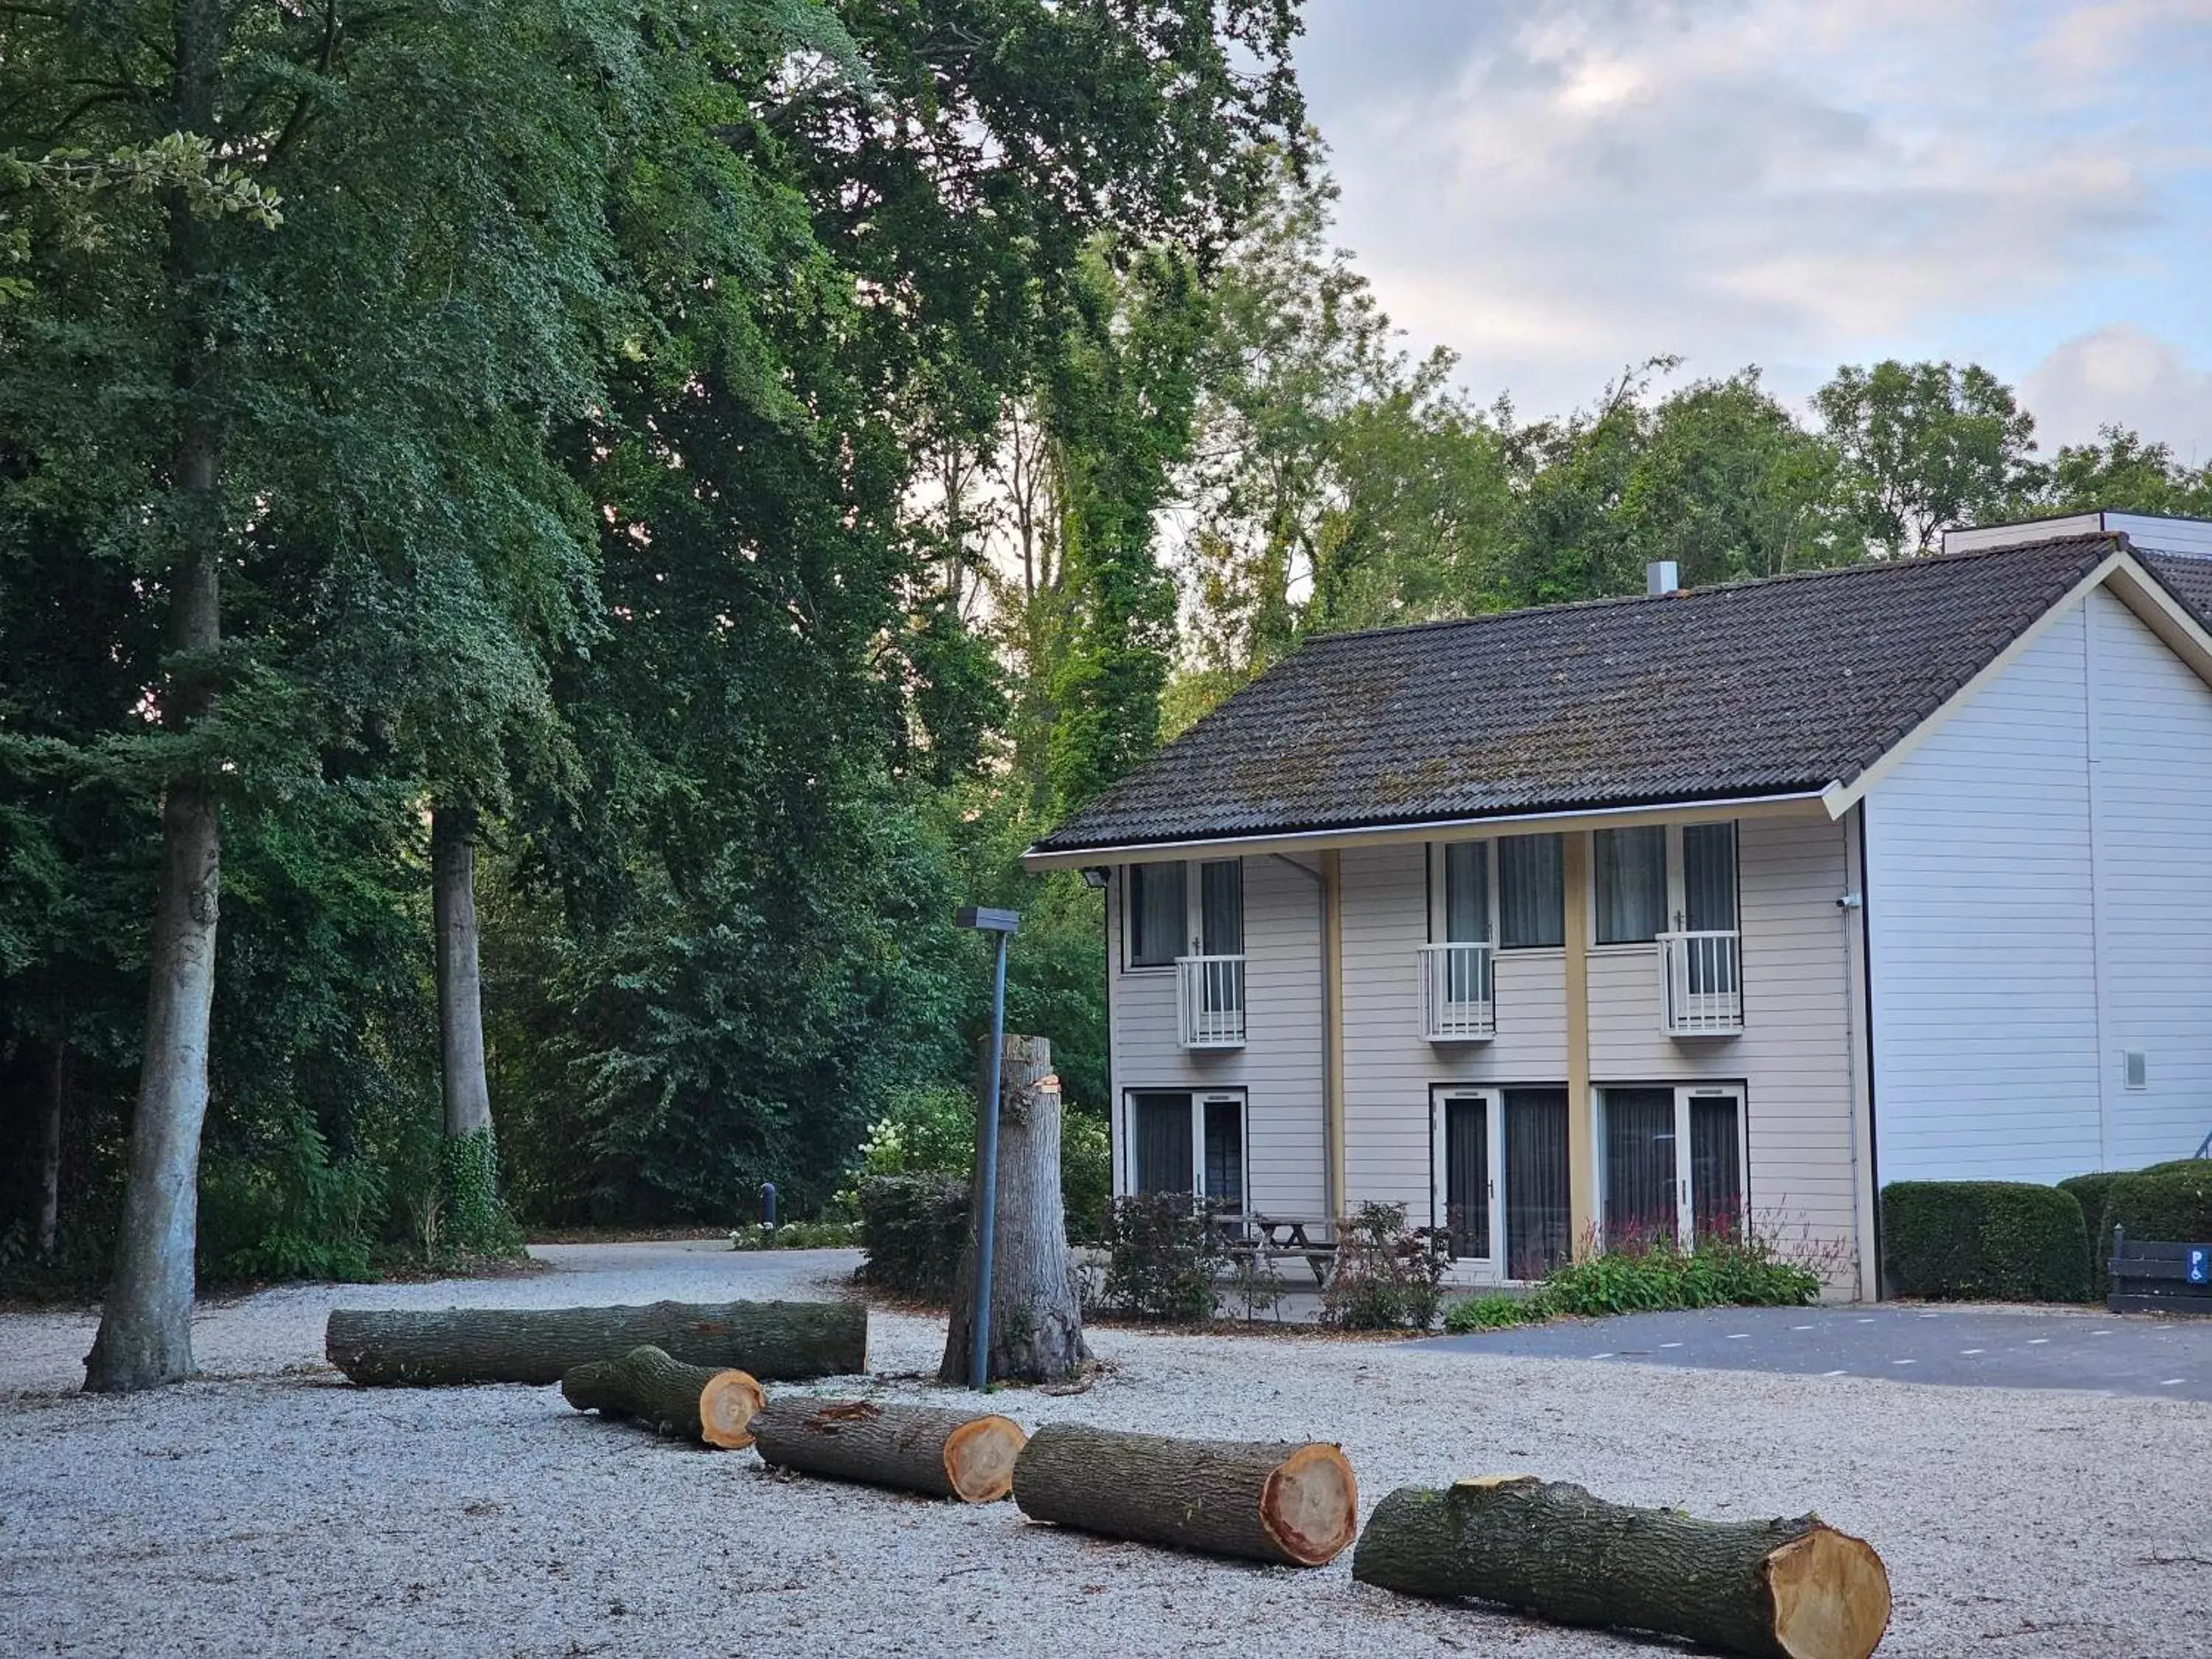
column 1664, row 911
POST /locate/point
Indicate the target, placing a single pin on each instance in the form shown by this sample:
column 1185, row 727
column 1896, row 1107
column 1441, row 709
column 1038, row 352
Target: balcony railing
column 1701, row 984
column 1210, row 1001
column 1456, row 1002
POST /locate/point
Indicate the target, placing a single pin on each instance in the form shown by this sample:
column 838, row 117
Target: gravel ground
column 274, row 1510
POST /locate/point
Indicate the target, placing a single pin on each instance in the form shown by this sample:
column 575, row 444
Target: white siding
column 1990, row 941
column 1279, row 1067
column 1794, row 1057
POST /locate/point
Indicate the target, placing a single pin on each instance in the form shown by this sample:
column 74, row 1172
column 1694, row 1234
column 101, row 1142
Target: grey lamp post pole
column 1003, row 923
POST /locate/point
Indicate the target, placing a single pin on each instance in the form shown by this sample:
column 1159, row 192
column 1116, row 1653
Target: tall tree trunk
column 1036, row 1315
column 145, row 1335
column 471, row 1160
column 49, row 1152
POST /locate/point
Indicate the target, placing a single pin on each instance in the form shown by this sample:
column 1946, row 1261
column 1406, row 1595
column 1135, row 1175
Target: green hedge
column 914, row 1227
column 2094, row 1195
column 2166, row 1202
column 1973, row 1240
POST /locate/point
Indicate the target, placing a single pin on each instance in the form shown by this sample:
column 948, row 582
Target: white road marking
column 1835, row 1373
column 2171, row 1383
column 1931, row 1315
column 1670, row 1344
column 1905, row 1362
column 1607, row 1355
column 1970, row 1351
column 2101, row 1333
column 1866, row 1321
column 1737, row 1336
column 2035, row 1341
column 1801, row 1327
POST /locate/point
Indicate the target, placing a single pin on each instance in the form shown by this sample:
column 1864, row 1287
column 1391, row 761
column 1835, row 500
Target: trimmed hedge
column 914, row 1227
column 1973, row 1240
column 2165, row 1202
column 2094, row 1195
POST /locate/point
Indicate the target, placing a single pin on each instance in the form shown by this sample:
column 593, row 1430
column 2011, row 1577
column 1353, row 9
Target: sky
column 1559, row 189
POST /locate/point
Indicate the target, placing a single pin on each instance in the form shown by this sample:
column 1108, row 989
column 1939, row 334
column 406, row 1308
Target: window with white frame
column 1509, row 892
column 1184, row 909
column 1181, row 1142
column 1648, row 878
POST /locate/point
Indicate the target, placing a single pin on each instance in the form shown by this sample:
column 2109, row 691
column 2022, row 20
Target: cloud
column 1738, row 180
column 2125, row 377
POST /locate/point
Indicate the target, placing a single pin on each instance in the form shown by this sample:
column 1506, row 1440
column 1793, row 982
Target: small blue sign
column 2200, row 1267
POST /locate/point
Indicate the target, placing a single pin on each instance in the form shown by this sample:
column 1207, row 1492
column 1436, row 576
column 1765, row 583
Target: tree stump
column 1290, row 1503
column 1777, row 1589
column 698, row 1402
column 1036, row 1310
column 776, row 1341
column 944, row 1454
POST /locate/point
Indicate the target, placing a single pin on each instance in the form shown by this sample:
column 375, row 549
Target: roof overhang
column 2131, row 582
column 1802, row 802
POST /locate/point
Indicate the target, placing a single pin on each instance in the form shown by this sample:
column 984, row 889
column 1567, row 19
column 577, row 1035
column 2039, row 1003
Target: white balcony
column 1456, row 1003
column 1210, row 1001
column 1701, row 984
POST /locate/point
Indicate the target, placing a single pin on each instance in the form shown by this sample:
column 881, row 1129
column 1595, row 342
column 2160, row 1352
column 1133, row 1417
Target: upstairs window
column 1709, row 878
column 1170, row 914
column 1466, row 892
column 1158, row 914
column 1632, row 885
column 1531, row 892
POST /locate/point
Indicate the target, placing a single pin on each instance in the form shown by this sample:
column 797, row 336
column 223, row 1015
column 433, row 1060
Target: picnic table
column 1280, row 1239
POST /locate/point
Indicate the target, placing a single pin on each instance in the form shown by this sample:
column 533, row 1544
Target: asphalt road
column 2100, row 1352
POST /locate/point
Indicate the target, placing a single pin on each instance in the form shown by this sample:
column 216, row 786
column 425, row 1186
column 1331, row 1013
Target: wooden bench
column 2159, row 1276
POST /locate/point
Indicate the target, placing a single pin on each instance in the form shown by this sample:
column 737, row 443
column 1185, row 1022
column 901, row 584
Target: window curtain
column 1221, row 906
column 1162, row 1138
column 1224, row 1154
column 1531, row 892
column 1632, row 885
column 1466, row 892
column 1157, row 915
column 1709, row 878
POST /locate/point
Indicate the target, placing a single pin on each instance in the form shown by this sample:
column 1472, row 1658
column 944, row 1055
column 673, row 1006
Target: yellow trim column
column 1331, row 994
column 1582, row 1136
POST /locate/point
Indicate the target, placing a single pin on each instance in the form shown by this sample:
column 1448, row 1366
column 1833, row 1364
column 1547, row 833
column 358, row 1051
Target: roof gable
column 1792, row 684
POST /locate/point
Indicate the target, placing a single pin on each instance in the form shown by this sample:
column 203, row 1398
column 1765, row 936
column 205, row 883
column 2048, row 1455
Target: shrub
column 1086, row 1174
column 2001, row 1240
column 2166, row 1202
column 1387, row 1277
column 914, row 1228
column 1162, row 1259
column 799, row 1236
column 1721, row 1271
column 2093, row 1194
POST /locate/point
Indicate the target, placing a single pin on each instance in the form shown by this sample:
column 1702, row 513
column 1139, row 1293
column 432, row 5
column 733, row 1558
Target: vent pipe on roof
column 1663, row 576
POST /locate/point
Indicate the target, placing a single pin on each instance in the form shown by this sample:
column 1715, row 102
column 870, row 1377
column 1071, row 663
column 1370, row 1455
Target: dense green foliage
column 914, row 1228
column 1999, row 1241
column 2093, row 1194
column 760, row 460
column 1719, row 1272
column 2170, row 1202
column 1162, row 1260
column 1387, row 1276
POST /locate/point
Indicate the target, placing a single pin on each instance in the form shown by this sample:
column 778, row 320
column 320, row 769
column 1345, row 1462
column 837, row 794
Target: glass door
column 1674, row 1163
column 1539, row 1213
column 1465, row 1160
column 1160, row 1144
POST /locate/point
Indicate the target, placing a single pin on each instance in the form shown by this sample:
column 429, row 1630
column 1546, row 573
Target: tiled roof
column 1755, row 689
column 2188, row 578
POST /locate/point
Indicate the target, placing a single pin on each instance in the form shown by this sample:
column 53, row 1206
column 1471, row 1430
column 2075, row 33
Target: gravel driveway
column 275, row 1510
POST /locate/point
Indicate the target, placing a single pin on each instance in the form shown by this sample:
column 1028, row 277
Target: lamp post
column 1003, row 923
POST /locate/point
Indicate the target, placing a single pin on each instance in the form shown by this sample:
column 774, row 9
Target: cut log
column 945, row 1454
column 776, row 1341
column 1036, row 1308
column 1776, row 1589
column 698, row 1402
column 1297, row 1504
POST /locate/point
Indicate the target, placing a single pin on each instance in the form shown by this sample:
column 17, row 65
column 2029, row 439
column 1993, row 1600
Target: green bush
column 914, row 1228
column 1387, row 1277
column 797, row 1236
column 1983, row 1240
column 1162, row 1259
column 1720, row 1272
column 2171, row 1201
column 1086, row 1174
column 2093, row 1194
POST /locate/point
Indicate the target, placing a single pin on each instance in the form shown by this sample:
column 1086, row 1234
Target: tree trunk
column 776, row 1341
column 1037, row 1311
column 470, row 1160
column 1295, row 1504
column 944, row 1454
column 145, row 1334
column 1777, row 1589
column 460, row 980
column 698, row 1402
column 50, row 1153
